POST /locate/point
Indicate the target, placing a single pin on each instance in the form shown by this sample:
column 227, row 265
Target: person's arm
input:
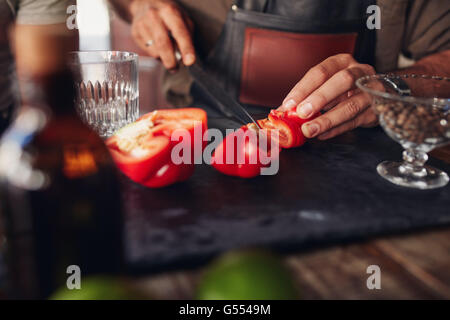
column 156, row 25
column 41, row 27
column 52, row 42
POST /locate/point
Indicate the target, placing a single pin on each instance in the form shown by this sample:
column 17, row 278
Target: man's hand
column 157, row 25
column 330, row 87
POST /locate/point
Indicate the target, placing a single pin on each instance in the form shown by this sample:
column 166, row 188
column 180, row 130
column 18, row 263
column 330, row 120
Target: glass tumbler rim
column 361, row 84
column 102, row 56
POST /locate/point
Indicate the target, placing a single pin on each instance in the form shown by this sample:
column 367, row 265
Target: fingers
column 140, row 41
column 174, row 21
column 340, row 83
column 159, row 23
column 162, row 41
column 366, row 119
column 340, row 99
column 315, row 77
column 330, row 86
column 346, row 126
column 145, row 34
column 343, row 112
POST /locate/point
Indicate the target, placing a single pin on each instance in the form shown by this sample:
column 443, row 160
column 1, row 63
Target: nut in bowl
column 413, row 110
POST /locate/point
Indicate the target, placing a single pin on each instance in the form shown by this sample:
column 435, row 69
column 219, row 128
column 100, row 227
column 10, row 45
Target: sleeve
column 427, row 28
column 43, row 11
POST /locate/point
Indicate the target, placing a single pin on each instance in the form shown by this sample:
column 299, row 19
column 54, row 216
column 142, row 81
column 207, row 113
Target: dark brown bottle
column 59, row 196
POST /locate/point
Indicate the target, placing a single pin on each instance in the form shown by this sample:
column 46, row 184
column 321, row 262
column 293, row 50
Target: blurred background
column 101, row 29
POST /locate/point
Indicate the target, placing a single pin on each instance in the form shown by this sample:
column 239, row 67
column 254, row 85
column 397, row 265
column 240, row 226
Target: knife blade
column 216, row 93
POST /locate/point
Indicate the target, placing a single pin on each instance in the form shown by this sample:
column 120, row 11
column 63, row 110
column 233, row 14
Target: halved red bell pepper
column 291, row 118
column 287, row 130
column 288, row 126
column 292, row 115
column 129, row 146
column 170, row 173
column 165, row 121
column 141, row 156
column 246, row 160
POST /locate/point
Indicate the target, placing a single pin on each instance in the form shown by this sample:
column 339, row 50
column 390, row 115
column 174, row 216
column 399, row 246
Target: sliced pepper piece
column 142, row 150
column 245, row 160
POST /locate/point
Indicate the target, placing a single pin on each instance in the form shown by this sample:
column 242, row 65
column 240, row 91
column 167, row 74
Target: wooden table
column 414, row 266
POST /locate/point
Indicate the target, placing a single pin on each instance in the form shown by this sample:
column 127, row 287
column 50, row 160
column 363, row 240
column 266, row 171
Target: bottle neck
column 54, row 91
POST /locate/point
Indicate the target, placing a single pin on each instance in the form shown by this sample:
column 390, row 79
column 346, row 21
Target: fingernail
column 189, row 59
column 289, row 104
column 305, row 110
column 313, row 129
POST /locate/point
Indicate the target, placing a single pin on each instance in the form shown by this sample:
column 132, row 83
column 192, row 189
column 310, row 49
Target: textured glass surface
column 107, row 89
column 419, row 121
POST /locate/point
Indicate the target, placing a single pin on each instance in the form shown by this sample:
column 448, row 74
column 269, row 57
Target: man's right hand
column 157, row 25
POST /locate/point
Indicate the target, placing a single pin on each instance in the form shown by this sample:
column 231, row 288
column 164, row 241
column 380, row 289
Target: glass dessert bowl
column 414, row 110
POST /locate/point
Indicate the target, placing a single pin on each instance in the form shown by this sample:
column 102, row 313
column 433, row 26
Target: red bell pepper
column 289, row 136
column 249, row 154
column 169, row 174
column 291, row 118
column 142, row 150
column 138, row 156
column 288, row 125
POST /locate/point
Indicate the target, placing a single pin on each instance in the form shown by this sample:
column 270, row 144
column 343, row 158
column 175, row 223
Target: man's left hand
column 330, row 86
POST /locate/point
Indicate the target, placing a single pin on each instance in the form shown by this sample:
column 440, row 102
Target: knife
column 216, row 93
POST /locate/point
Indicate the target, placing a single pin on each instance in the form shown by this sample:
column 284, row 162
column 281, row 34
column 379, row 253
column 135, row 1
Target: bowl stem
column 414, row 161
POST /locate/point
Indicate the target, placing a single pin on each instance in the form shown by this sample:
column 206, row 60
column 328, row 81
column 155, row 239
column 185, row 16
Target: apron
column 266, row 46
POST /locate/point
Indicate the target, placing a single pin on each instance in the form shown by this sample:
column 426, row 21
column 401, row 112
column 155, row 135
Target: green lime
column 98, row 288
column 247, row 275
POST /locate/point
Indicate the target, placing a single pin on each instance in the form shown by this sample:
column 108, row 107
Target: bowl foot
column 429, row 177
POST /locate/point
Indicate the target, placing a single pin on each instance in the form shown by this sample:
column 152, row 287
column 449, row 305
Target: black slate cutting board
column 325, row 193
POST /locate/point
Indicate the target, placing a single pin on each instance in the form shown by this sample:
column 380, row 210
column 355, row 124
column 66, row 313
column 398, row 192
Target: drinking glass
column 107, row 89
column 414, row 111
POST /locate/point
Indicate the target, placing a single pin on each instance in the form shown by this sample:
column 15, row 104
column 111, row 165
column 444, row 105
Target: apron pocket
column 274, row 61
